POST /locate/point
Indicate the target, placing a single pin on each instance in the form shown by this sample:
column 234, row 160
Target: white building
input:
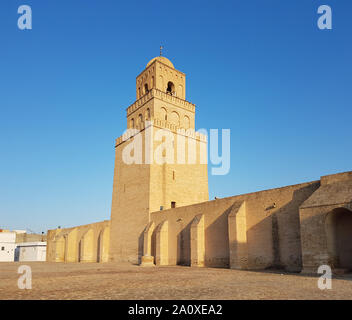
column 31, row 251
column 7, row 246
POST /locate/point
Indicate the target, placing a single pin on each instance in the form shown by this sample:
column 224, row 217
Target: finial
column 161, row 50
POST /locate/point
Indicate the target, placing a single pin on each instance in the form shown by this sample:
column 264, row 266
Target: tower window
column 161, row 208
column 170, row 88
column 173, row 204
column 132, row 123
column 146, row 88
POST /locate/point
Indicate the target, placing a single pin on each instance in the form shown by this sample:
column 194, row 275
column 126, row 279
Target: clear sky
column 261, row 68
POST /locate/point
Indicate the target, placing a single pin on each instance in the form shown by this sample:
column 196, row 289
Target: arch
column 163, row 114
column 175, row 118
column 79, row 251
column 132, row 123
column 146, row 89
column 140, row 120
column 170, row 88
column 152, row 82
column 139, row 92
column 87, row 247
column 338, row 225
column 103, row 245
column 186, row 122
column 99, row 246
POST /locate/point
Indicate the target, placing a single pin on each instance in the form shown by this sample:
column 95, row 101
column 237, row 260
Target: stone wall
column 87, row 243
column 324, row 220
column 251, row 231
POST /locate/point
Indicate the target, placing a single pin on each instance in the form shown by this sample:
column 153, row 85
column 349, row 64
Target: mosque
column 161, row 213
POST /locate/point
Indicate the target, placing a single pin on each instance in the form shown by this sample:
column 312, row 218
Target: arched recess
column 103, row 245
column 99, row 246
column 163, row 114
column 338, row 225
column 186, row 122
column 87, row 247
column 79, row 250
column 175, row 118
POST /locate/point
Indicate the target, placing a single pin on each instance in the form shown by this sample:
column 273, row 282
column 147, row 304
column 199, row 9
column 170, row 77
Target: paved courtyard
column 124, row 281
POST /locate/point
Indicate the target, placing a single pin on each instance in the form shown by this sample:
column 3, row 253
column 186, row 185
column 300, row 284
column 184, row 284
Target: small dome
column 162, row 60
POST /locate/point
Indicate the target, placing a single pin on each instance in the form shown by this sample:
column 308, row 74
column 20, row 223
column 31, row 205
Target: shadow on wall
column 274, row 242
column 217, row 242
column 140, row 247
column 339, row 238
column 184, row 244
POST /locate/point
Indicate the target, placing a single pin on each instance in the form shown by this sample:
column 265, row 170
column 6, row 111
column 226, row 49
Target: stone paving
column 125, row 281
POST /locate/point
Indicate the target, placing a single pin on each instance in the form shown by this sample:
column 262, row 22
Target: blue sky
column 261, row 68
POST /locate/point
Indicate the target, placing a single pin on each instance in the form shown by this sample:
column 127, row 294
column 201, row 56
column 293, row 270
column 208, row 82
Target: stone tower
column 160, row 175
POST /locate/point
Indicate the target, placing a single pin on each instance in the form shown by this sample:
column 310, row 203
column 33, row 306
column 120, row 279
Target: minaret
column 151, row 185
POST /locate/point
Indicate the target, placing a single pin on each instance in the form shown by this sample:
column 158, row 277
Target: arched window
column 139, row 92
column 140, row 118
column 170, row 88
column 132, row 123
column 152, row 83
column 146, row 88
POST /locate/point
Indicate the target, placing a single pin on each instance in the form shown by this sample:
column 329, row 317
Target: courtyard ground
column 124, row 281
